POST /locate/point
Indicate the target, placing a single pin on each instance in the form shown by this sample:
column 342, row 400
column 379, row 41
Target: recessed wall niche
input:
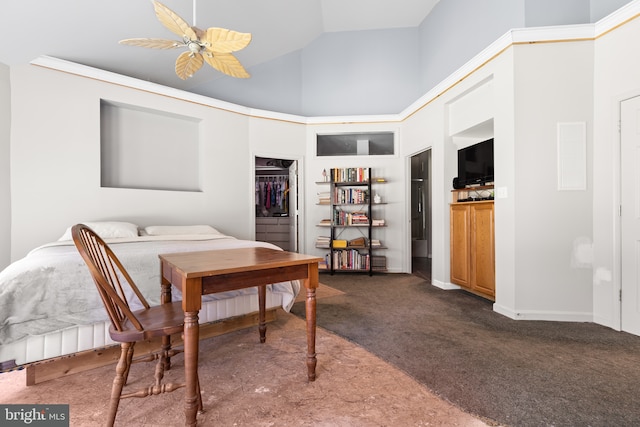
column 142, row 148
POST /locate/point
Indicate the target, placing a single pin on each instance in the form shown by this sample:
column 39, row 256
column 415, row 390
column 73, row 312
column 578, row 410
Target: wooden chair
column 129, row 326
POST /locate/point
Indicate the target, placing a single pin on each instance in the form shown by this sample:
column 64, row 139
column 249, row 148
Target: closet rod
column 271, row 176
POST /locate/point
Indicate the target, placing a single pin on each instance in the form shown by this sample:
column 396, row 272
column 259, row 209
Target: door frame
column 616, row 132
column 618, row 199
column 407, row 207
column 299, row 220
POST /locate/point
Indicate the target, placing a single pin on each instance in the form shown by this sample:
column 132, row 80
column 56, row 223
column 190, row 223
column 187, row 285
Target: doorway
column 276, row 202
column 421, row 214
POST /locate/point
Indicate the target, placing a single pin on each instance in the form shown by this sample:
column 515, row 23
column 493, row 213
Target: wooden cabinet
column 473, row 247
column 460, row 244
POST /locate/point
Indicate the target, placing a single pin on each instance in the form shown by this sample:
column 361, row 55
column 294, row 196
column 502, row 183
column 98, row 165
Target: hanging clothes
column 274, row 191
column 257, row 192
column 280, row 193
column 285, row 196
column 267, row 195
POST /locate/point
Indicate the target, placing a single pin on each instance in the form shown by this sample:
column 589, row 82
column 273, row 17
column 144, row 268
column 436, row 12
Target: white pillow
column 107, row 229
column 180, row 230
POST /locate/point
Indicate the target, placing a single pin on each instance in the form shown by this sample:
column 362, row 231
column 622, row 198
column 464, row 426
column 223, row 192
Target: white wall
column 616, row 76
column 56, row 161
column 436, row 125
column 280, row 140
column 505, row 187
column 423, row 130
column 553, row 83
column 5, row 181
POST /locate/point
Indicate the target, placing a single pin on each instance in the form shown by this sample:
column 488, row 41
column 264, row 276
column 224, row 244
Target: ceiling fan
column 213, row 46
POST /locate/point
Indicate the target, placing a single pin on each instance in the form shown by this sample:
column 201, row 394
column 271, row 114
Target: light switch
column 501, row 192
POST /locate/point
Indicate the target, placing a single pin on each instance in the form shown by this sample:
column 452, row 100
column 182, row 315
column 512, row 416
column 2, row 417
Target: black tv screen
column 475, row 163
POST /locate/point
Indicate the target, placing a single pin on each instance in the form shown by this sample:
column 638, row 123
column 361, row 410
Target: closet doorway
column 276, row 202
column 421, row 214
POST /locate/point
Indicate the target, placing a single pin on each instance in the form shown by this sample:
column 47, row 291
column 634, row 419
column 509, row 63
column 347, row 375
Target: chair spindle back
column 110, row 277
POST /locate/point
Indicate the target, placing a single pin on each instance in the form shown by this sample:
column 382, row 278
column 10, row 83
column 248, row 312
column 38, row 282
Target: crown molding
column 133, row 83
column 564, row 33
column 617, row 18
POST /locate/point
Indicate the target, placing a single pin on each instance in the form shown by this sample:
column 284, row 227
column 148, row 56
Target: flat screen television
column 475, row 163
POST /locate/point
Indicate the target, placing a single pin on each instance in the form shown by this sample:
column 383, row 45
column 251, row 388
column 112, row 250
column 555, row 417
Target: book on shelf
column 324, row 198
column 339, row 243
column 377, row 222
column 350, row 174
column 359, row 242
column 350, row 260
column 326, row 221
column 353, row 196
column 341, row 217
column 323, row 241
column 359, row 218
column 375, row 243
column 379, row 263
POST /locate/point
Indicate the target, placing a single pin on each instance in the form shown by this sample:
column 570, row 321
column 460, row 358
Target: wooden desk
column 205, row 272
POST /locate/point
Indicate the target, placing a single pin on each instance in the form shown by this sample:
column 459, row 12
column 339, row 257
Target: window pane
column 355, row 144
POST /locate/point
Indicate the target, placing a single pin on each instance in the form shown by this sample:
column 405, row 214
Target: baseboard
column 607, row 322
column 554, row 316
column 446, row 286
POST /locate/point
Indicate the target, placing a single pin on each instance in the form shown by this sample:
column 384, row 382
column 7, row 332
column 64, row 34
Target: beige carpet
column 245, row 383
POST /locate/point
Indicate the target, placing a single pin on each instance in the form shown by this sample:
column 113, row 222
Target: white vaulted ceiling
column 87, row 31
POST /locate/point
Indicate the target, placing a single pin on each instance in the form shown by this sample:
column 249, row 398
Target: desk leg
column 165, row 298
column 311, row 283
column 262, row 298
column 191, row 344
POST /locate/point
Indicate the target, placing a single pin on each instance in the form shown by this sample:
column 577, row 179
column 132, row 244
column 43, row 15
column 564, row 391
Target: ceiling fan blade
column 152, row 43
column 188, row 63
column 226, row 63
column 173, row 22
column 226, row 41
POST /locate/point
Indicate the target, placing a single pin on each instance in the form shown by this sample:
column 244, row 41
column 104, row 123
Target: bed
column 50, row 309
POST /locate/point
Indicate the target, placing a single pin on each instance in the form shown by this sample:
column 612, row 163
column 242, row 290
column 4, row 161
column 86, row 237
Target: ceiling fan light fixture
column 194, row 47
column 213, row 46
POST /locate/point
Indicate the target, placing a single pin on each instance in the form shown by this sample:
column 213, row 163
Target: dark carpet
column 510, row 372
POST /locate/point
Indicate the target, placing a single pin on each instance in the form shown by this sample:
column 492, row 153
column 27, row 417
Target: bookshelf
column 351, row 221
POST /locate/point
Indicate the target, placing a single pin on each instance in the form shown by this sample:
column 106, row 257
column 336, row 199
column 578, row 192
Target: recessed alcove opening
column 356, row 144
column 474, row 134
column 142, row 148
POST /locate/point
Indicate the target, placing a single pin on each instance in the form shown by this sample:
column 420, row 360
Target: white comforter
column 51, row 288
